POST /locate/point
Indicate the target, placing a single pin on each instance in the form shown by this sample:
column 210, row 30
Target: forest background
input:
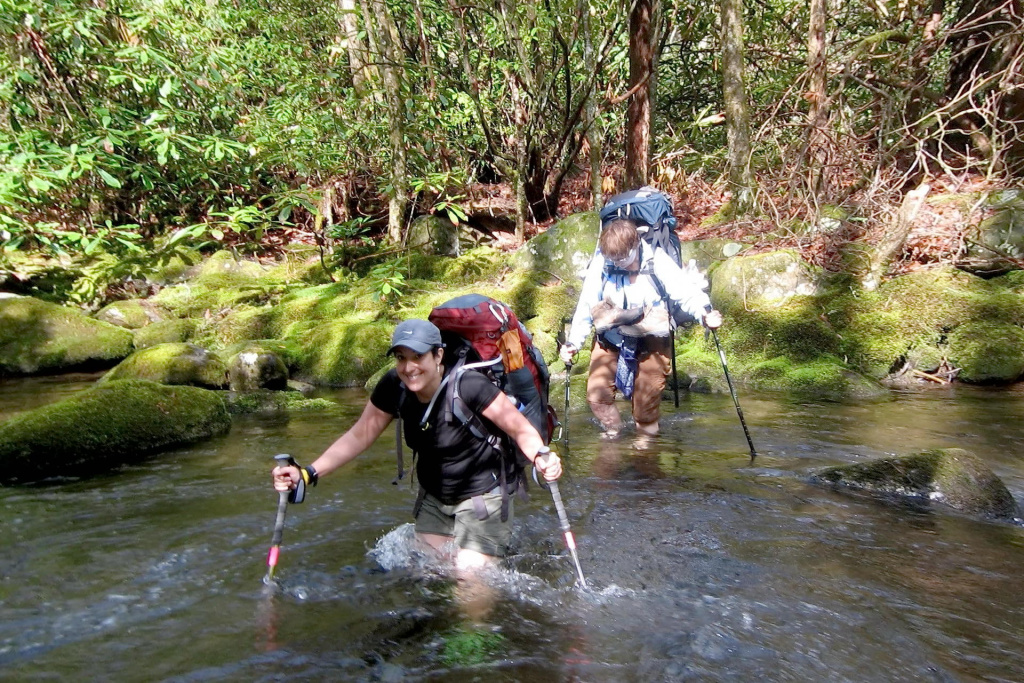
column 133, row 127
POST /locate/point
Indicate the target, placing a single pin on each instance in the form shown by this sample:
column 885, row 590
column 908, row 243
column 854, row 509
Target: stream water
column 702, row 566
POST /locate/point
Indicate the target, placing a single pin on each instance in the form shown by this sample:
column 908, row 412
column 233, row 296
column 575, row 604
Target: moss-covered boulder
column 564, row 250
column 433, row 234
column 951, row 476
column 254, row 368
column 106, row 426
column 219, row 284
column 173, row 364
column 762, row 281
column 987, row 352
column 343, row 352
column 36, row 336
column 165, row 332
column 914, row 313
column 706, row 253
column 131, row 314
column 825, row 378
column 266, row 401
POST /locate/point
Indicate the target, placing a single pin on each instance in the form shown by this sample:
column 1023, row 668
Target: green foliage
column 388, row 280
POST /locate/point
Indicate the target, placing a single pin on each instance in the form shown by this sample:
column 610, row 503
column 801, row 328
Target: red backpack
column 484, row 334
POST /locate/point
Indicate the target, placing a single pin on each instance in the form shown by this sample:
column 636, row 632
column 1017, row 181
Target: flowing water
column 702, row 566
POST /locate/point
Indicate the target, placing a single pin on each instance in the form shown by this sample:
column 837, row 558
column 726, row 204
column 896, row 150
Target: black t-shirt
column 453, row 464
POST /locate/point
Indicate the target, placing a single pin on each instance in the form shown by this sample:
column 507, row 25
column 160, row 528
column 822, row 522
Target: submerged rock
column 106, row 426
column 173, row 364
column 36, row 336
column 951, row 476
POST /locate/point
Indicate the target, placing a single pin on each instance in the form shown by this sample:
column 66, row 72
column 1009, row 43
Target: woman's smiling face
column 419, row 372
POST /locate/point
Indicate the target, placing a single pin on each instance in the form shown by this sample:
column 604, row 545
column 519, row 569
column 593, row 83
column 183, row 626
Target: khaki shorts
column 489, row 536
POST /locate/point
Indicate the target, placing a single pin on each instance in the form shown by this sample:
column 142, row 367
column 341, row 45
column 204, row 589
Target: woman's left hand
column 549, row 465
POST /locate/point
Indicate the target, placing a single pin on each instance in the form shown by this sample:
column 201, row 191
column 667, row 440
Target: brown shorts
column 649, row 384
column 489, row 536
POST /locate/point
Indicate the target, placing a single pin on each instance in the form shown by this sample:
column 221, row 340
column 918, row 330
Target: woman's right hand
column 285, row 478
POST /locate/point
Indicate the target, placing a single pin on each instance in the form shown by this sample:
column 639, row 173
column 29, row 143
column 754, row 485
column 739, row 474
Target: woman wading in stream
column 461, row 509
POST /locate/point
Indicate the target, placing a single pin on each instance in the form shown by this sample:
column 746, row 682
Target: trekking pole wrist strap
column 308, row 476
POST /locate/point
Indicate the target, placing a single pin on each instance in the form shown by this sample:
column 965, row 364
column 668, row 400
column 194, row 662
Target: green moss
column 164, row 332
column 288, row 351
column 343, row 353
column 243, row 324
column 106, row 426
column 265, row 401
column 987, row 351
column 471, row 646
column 480, row 263
column 915, row 310
column 795, row 331
column 38, row 336
column 172, row 364
column 130, row 313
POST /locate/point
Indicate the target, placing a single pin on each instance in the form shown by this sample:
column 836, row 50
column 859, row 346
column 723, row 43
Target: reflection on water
column 704, row 566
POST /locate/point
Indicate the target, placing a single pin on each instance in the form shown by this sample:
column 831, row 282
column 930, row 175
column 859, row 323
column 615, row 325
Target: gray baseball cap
column 419, row 335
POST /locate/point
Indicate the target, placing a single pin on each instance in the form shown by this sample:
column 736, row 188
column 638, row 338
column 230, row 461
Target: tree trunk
column 891, row 245
column 354, row 46
column 638, row 113
column 384, row 40
column 590, row 115
column 989, row 44
column 817, row 96
column 737, row 114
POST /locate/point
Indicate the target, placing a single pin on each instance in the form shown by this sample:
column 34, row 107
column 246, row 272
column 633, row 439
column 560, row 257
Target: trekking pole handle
column 556, row 495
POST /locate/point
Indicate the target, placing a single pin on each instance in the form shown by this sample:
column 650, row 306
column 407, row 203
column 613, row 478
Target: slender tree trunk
column 737, row 114
column 593, row 135
column 383, row 35
column 638, row 113
column 357, row 54
column 817, row 96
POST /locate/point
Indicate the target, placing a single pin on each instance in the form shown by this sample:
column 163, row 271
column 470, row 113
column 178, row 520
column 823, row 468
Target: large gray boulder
column 431, row 234
column 951, row 476
column 173, row 364
column 997, row 244
column 36, row 336
column 763, row 281
column 563, row 250
column 106, row 426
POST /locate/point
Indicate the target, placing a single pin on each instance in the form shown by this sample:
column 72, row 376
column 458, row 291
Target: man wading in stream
column 459, row 511
column 627, row 295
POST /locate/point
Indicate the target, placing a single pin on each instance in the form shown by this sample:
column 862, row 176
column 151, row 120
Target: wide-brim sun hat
column 418, row 335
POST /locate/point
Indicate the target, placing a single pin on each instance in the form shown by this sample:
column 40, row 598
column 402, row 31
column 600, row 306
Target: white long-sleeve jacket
column 685, row 286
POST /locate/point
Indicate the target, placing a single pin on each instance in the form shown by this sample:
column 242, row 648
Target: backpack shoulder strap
column 399, row 437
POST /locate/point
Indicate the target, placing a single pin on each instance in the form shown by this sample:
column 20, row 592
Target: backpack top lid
column 651, row 210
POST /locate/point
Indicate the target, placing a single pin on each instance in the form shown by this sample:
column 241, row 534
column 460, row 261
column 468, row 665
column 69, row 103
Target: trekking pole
column 728, row 380
column 275, row 541
column 675, row 375
column 563, row 521
column 565, row 413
